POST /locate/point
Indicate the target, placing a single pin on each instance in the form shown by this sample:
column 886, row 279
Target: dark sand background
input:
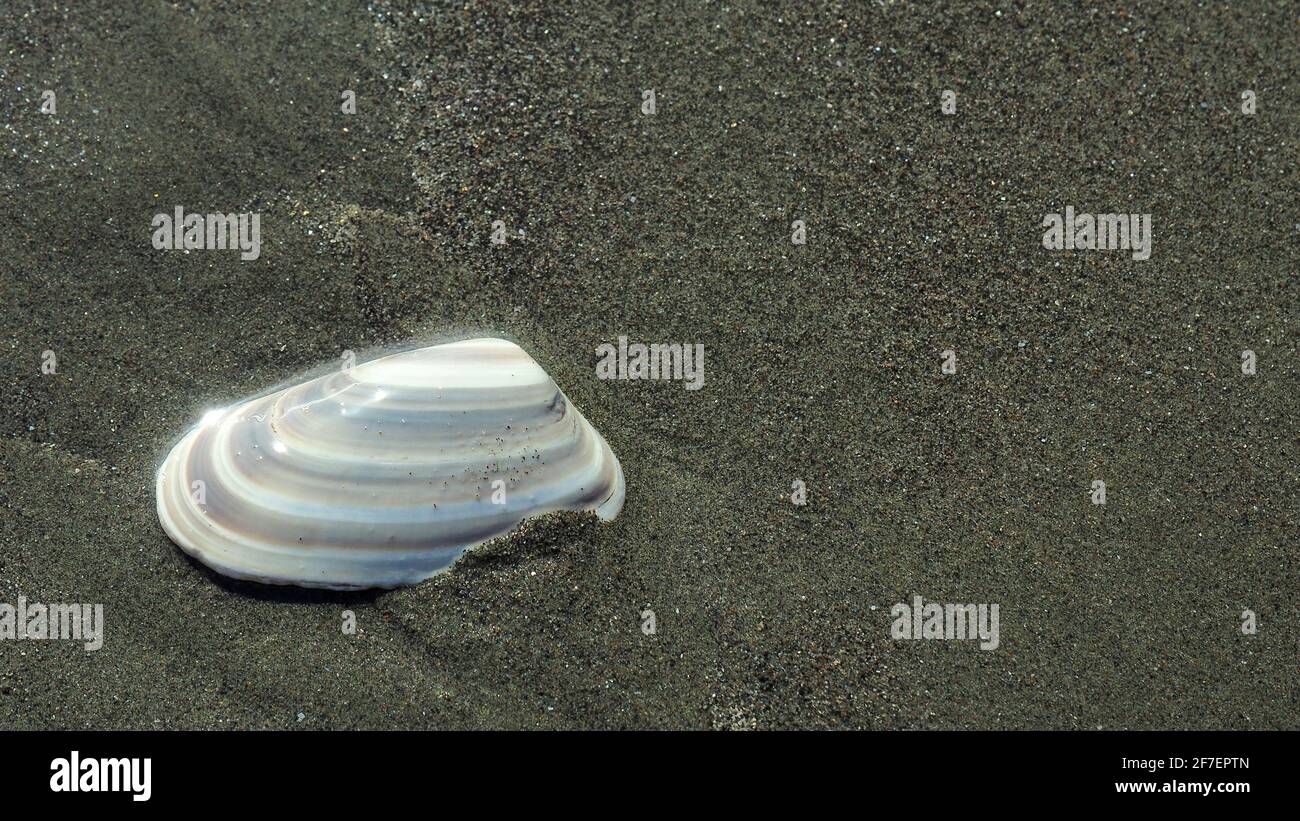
column 822, row 360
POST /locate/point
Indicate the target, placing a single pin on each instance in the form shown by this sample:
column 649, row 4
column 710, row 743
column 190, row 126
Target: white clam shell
column 383, row 474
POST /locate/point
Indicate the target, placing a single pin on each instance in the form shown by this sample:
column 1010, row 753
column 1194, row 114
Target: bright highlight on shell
column 385, row 473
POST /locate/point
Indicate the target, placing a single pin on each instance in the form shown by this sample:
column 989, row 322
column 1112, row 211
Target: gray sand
column 822, row 360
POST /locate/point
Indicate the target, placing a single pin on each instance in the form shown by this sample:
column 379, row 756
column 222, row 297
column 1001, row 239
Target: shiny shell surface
column 384, row 473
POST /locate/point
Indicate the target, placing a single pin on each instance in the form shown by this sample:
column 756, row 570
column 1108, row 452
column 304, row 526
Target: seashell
column 383, row 474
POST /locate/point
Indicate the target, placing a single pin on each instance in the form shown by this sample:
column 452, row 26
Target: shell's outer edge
column 612, row 505
column 171, row 487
